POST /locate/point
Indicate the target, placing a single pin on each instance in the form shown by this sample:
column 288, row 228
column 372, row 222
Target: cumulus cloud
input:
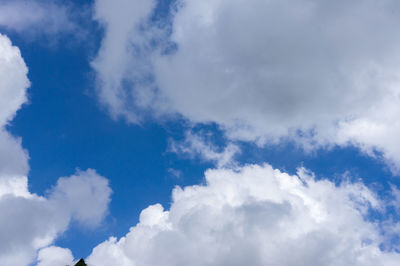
column 85, row 195
column 29, row 222
column 13, row 87
column 317, row 72
column 255, row 215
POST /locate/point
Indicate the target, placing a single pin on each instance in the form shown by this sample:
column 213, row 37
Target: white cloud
column 14, row 162
column 117, row 55
column 29, row 222
column 24, row 16
column 13, row 87
column 85, row 195
column 48, row 19
column 377, row 131
column 255, row 215
column 13, row 80
column 318, row 72
column 54, row 256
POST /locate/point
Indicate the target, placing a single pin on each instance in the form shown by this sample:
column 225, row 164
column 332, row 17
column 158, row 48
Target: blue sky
column 210, row 97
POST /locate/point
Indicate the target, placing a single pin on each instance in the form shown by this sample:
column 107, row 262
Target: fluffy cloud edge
column 257, row 215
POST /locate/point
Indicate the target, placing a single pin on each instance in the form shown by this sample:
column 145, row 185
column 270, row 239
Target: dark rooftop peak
column 81, row 262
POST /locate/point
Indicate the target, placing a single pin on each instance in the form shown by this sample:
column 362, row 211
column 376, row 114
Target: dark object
column 81, row 262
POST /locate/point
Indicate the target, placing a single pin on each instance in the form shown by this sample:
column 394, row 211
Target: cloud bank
column 316, row 72
column 29, row 222
column 255, row 215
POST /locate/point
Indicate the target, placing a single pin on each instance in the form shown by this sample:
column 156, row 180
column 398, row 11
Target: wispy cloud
column 33, row 19
column 196, row 145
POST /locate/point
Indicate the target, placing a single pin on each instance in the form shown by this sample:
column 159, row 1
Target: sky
column 186, row 132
